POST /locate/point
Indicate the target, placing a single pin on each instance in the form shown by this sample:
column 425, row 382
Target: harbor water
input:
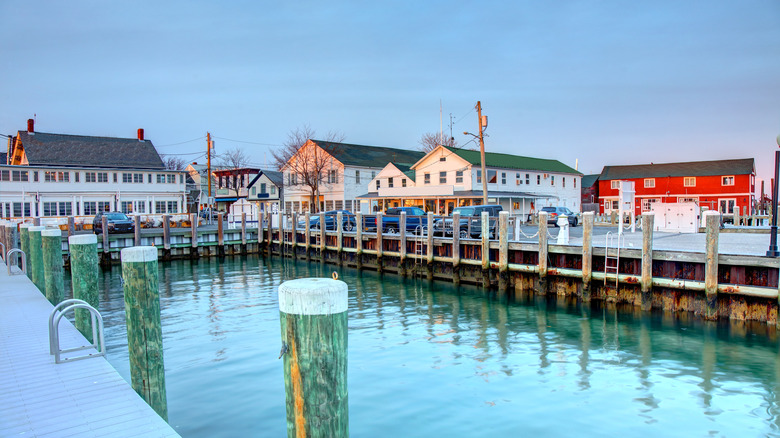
column 429, row 359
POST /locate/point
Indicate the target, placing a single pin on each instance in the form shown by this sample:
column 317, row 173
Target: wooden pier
column 85, row 398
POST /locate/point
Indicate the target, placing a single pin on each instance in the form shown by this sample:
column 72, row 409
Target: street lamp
column 773, row 252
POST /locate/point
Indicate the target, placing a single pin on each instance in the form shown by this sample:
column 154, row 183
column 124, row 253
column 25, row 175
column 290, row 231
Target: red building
column 718, row 185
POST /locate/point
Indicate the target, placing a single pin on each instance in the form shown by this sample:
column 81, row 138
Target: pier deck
column 40, row 398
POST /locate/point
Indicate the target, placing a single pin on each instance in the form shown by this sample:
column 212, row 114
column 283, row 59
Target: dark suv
column 470, row 217
column 117, row 223
column 554, row 212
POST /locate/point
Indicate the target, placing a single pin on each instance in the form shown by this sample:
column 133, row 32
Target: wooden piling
column 270, row 230
column 136, row 231
column 359, row 240
column 243, row 232
column 294, row 227
column 307, row 235
column 323, row 236
column 51, row 240
column 220, row 235
column 587, row 254
column 402, row 244
column 313, row 317
column 379, row 247
column 503, row 251
column 280, row 222
column 35, row 260
column 71, row 226
column 429, row 247
column 24, row 244
column 456, row 248
column 194, row 251
column 340, row 237
column 712, row 220
column 144, row 332
column 542, row 265
column 84, row 275
column 106, row 242
column 646, row 281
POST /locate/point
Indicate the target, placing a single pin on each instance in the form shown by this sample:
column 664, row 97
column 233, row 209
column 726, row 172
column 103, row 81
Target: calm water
column 434, row 360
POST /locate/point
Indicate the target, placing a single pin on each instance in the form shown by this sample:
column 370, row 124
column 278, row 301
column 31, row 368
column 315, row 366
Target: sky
column 590, row 82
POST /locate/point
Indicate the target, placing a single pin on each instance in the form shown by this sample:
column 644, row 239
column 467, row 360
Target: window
column 503, row 178
column 35, row 176
column 442, row 177
column 262, row 188
column 552, row 180
column 688, row 199
column 357, row 177
column 90, row 208
column 377, row 184
column 492, row 176
column 140, row 206
column 50, row 176
column 138, row 178
column 615, row 184
column 575, row 182
column 173, row 206
column 373, row 174
column 102, row 177
column 615, row 205
column 727, row 180
column 90, row 177
column 403, row 182
column 127, row 177
column 442, row 158
column 254, row 190
column 77, row 176
column 727, row 205
column 563, row 181
column 689, row 181
column 647, row 204
column 479, row 176
column 22, row 175
column 159, row 207
column 458, row 177
column 273, row 190
column 50, row 209
column 518, row 181
column 18, row 209
column 333, row 177
column 115, row 177
column 171, row 179
column 181, row 179
column 538, row 179
column 104, row 205
column 127, row 207
column 149, row 178
column 5, row 175
column 649, row 182
column 294, row 179
column 528, row 178
column 389, row 182
column 427, row 179
column 161, row 178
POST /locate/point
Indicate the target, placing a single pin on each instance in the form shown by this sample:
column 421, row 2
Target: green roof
column 369, row 156
column 744, row 166
column 507, row 161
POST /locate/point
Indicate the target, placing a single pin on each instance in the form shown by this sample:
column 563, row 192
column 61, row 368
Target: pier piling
column 84, row 274
column 712, row 220
column 542, row 286
column 51, row 240
column 24, row 244
column 220, row 235
column 646, row 281
column 587, row 254
column 35, row 259
column 456, row 248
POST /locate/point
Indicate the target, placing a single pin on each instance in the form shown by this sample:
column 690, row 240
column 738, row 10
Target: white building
column 50, row 175
column 343, row 169
column 446, row 178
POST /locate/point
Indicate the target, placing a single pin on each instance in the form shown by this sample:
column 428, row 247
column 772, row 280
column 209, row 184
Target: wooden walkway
column 42, row 399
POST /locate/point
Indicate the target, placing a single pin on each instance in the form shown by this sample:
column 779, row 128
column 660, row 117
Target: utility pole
column 482, row 126
column 208, row 173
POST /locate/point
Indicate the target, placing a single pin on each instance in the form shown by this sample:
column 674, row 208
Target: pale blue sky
column 608, row 82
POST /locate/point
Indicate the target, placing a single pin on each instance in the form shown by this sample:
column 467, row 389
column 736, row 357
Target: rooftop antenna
column 577, row 164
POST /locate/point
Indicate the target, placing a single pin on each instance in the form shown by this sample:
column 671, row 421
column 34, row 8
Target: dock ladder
column 612, row 254
column 98, row 340
column 421, row 232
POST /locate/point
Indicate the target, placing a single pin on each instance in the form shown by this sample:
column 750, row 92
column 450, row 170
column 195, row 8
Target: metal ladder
column 614, row 243
column 98, row 341
column 420, row 232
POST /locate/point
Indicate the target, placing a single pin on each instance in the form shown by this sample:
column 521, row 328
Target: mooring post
column 51, row 240
column 648, row 220
column 307, row 235
column 280, row 222
column 503, row 251
column 24, row 244
column 106, row 242
column 587, row 254
column 429, row 246
column 542, row 287
column 35, row 259
column 359, row 240
column 340, row 236
column 402, row 244
column 84, row 275
column 220, row 235
column 270, row 241
column 379, row 245
column 144, row 332
column 136, row 230
column 456, row 248
column 712, row 219
column 323, row 236
column 71, row 226
column 166, row 236
column 294, row 233
column 737, row 218
column 243, row 232
column 313, row 317
column 36, row 221
column 194, row 251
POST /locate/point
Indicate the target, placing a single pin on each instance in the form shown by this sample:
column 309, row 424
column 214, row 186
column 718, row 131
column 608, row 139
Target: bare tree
column 308, row 163
column 173, row 163
column 430, row 140
column 234, row 158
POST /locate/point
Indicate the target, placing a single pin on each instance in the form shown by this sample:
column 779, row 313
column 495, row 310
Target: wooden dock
column 85, row 398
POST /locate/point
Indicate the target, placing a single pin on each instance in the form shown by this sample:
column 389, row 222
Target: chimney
column 140, row 134
column 31, row 126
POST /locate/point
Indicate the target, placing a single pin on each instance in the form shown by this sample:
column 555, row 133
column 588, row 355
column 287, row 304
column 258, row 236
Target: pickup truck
column 470, row 225
column 416, row 219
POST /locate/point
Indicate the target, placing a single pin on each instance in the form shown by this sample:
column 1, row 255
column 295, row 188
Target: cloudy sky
column 605, row 82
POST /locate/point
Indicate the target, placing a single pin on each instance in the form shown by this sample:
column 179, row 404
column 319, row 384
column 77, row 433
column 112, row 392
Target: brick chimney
column 140, row 134
column 31, row 126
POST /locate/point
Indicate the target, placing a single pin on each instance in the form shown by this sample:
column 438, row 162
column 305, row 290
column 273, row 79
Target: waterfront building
column 198, row 186
column 721, row 185
column 447, row 177
column 342, row 171
column 254, row 185
column 589, row 193
column 267, row 187
column 59, row 175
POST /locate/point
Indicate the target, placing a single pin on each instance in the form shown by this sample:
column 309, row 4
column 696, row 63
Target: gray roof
column 469, row 194
column 276, row 177
column 369, row 156
column 44, row 149
column 745, row 166
column 589, row 180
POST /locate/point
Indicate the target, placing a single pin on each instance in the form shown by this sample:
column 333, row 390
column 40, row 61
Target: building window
column 538, row 179
column 563, row 182
column 647, row 204
column 127, row 207
column 688, row 199
column 333, row 178
column 727, row 205
column 49, row 176
column 442, row 158
column 159, row 207
column 552, row 180
column 161, row 178
column 575, row 182
column 171, row 179
column 140, row 206
column 149, row 178
column 492, row 176
column 377, row 184
column 357, row 177
column 518, row 181
column 273, row 190
column 5, row 175
column 649, row 183
column 115, row 177
column 689, row 181
column 403, row 182
column 127, row 177
column 442, row 177
column 90, row 208
column 77, row 176
column 503, row 178
column 389, row 182
column 528, row 178
column 479, row 176
column 181, row 179
column 173, row 207
column 102, row 177
column 35, row 176
column 90, row 177
column 138, row 178
column 727, row 180
column 427, row 179
column 615, row 184
column 262, row 188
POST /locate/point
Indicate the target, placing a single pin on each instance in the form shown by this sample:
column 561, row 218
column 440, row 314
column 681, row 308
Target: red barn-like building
column 719, row 185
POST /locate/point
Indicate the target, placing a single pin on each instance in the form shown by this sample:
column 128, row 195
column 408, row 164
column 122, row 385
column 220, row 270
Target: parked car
column 116, row 222
column 416, row 219
column 214, row 214
column 470, row 217
column 347, row 221
column 554, row 212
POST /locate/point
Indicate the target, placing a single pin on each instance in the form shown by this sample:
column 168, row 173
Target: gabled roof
column 589, row 180
column 744, row 166
column 369, row 156
column 277, row 178
column 507, row 161
column 42, row 149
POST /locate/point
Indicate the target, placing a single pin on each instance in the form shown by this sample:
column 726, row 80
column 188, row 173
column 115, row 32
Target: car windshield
column 464, row 211
column 548, row 209
column 116, row 216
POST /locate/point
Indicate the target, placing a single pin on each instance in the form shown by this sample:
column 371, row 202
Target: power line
column 247, row 142
column 183, row 142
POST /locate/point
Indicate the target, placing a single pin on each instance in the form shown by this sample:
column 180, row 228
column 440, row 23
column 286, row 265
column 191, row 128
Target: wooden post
column 648, row 220
column 35, row 260
column 71, row 226
column 84, row 274
column 429, row 247
column 37, row 221
column 194, row 251
column 323, row 236
column 484, row 234
column 307, row 234
column 503, row 251
column 339, row 236
column 51, row 240
column 106, row 243
column 243, row 232
column 166, row 233
column 294, row 232
column 402, row 244
column 220, row 235
column 542, row 287
column 359, row 240
column 280, row 223
column 379, row 242
column 587, row 254
column 136, row 231
column 24, row 244
column 269, row 221
column 712, row 219
column 456, row 248
column 737, row 219
column 144, row 333
column 313, row 317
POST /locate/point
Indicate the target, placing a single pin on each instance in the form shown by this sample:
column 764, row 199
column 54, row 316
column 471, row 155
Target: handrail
column 9, row 260
column 98, row 339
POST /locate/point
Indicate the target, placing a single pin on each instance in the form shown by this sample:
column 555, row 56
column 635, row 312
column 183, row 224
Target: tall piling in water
column 84, row 274
column 51, row 240
column 36, row 258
